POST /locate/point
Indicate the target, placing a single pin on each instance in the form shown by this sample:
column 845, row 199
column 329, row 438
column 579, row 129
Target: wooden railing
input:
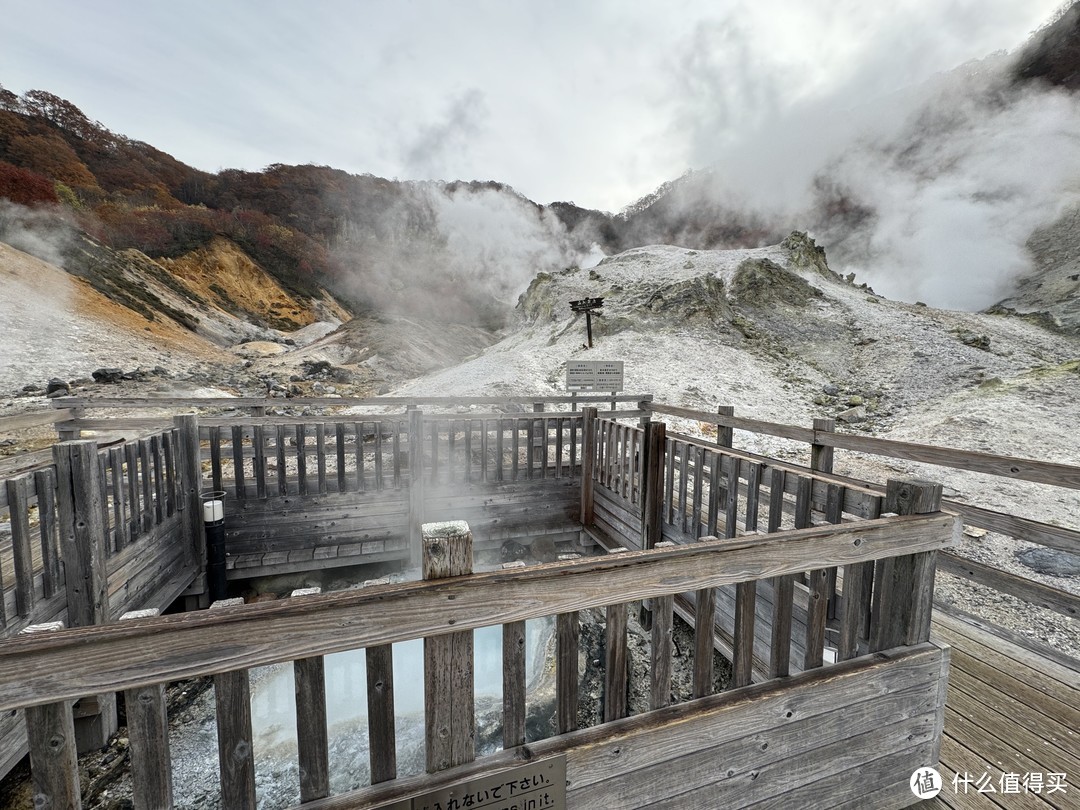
column 824, row 440
column 142, row 655
column 638, row 496
column 93, row 534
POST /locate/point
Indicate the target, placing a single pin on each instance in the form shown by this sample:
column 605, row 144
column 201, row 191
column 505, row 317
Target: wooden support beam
column 588, row 461
column 416, row 485
column 382, row 736
column 661, row 653
column 615, row 664
column 50, row 732
column 904, row 585
column 513, row 648
column 312, row 742
column 236, row 759
column 449, row 717
column 567, row 642
column 148, row 731
column 190, row 469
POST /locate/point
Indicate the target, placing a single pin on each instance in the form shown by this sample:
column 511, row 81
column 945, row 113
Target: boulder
column 108, row 375
column 56, row 384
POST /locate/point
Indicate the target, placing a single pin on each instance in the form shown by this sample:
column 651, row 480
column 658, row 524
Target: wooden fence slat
column 238, row 462
column 170, row 440
column 514, row 459
column 312, row 743
column 131, row 454
column 22, row 549
column 513, row 649
column 669, row 481
column 500, row 463
column 434, row 463
column 560, row 425
column 451, row 447
column 148, row 732
column 483, row 450
column 382, row 738
column 661, row 653
column 282, row 469
column 395, row 449
column 704, row 624
column 146, row 481
column 699, row 491
column 339, row 454
column 159, row 479
column 259, row 462
column 615, row 661
column 45, row 485
column 684, row 466
column 54, row 764
column 783, row 589
column 236, row 760
column 731, row 504
column 301, row 458
column 320, row 456
column 379, row 456
column 449, row 716
column 119, row 490
column 834, row 513
column 530, row 448
column 567, row 643
column 753, row 496
column 361, row 483
column 215, row 459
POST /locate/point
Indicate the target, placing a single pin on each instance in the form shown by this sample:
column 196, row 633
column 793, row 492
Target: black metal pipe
column 215, row 561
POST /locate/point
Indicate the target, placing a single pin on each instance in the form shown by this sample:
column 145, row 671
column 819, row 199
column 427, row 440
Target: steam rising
column 462, row 253
column 928, row 192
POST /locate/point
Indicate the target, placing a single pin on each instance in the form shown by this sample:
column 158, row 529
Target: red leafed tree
column 25, row 187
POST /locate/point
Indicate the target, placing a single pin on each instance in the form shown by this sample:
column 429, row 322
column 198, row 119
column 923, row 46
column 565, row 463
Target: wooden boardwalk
column 1010, row 709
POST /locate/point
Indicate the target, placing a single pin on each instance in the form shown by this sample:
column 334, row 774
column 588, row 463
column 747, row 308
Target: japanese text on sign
column 539, row 785
column 594, row 375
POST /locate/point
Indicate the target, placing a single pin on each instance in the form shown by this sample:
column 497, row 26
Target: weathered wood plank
column 54, row 765
column 615, row 663
column 661, row 652
column 282, row 470
column 236, row 761
column 513, row 650
column 567, row 633
column 312, row 745
column 449, row 718
column 48, row 535
column 381, row 731
column 21, row 547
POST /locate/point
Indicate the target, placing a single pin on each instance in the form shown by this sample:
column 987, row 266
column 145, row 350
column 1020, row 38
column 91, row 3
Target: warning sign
column 594, row 375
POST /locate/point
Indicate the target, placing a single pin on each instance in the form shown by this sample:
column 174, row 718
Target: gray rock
column 852, row 415
column 1050, row 561
column 108, row 375
column 56, row 384
column 830, row 390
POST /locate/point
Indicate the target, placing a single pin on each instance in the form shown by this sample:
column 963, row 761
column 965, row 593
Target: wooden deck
column 1011, row 708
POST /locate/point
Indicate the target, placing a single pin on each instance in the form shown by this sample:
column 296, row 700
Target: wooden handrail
column 339, row 402
column 144, row 652
column 1024, row 469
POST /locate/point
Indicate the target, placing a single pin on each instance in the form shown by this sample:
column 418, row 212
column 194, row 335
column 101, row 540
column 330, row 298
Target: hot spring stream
column 273, row 716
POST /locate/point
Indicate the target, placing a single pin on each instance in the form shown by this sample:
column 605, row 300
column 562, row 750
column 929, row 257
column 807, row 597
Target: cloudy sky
column 596, row 102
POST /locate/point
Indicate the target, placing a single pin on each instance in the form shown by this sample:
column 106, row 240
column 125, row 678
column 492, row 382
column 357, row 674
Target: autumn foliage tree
column 25, row 187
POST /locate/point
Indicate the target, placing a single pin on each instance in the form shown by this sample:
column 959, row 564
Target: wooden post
column 148, row 730
column 725, row 436
column 821, row 456
column 567, row 640
column 449, row 716
column 662, row 647
column 50, row 732
column 312, row 743
column 189, row 466
column 68, row 434
column 416, row 483
column 83, row 541
column 513, row 642
column 236, row 759
column 588, row 461
column 904, row 592
column 653, row 468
